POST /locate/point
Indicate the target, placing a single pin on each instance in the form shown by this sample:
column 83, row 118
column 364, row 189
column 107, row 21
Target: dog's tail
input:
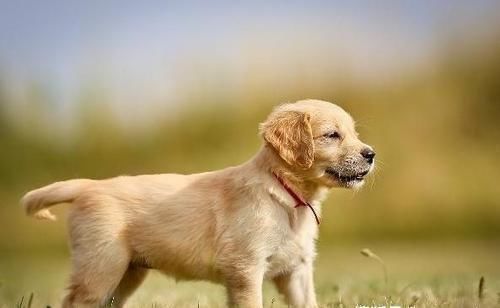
column 37, row 201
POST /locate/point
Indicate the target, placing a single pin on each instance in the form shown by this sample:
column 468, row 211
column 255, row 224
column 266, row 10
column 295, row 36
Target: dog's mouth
column 347, row 178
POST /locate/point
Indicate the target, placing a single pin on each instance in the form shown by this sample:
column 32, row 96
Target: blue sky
column 139, row 44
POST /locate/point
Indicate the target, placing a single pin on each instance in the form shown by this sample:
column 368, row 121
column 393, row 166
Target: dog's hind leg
column 100, row 260
column 95, row 276
column 131, row 280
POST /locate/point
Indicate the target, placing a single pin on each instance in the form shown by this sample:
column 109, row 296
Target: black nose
column 369, row 154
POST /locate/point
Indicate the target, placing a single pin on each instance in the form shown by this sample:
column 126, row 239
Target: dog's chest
column 284, row 260
column 289, row 254
column 292, row 243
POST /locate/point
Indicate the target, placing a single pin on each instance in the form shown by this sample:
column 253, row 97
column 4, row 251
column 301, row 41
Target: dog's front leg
column 298, row 287
column 244, row 288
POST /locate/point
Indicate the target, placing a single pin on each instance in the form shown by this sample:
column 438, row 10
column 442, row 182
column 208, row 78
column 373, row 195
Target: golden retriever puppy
column 236, row 226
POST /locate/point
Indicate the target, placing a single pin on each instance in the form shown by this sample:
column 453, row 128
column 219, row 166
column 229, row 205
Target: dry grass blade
column 480, row 289
column 28, row 304
column 30, row 300
column 369, row 254
column 20, row 304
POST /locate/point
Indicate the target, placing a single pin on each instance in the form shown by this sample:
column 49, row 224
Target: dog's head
column 317, row 140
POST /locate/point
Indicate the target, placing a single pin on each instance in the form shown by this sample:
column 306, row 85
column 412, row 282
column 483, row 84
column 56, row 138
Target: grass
column 449, row 274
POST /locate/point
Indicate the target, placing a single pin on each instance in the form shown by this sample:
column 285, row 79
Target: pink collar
column 300, row 201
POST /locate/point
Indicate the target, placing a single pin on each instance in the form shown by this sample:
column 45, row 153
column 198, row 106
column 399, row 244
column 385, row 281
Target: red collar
column 300, row 201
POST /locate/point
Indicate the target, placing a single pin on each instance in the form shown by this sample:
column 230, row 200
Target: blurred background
column 96, row 89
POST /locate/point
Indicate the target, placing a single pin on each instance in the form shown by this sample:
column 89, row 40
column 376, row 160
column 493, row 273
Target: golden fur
column 236, row 226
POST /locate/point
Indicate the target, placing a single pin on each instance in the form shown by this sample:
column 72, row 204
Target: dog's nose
column 369, row 154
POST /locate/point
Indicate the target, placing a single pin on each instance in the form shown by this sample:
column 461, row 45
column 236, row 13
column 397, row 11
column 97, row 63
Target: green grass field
column 441, row 274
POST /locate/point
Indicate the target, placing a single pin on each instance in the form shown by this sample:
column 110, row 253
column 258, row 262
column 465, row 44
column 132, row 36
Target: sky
column 140, row 48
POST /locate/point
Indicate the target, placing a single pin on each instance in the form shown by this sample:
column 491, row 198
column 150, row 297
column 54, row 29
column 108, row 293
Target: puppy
column 236, row 226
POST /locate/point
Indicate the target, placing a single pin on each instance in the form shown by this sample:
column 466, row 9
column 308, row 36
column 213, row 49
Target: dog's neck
column 267, row 160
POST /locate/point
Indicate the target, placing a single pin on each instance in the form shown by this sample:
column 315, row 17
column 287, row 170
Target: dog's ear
column 290, row 134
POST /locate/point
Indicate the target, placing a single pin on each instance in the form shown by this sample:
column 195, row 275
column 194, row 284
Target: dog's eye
column 333, row 135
